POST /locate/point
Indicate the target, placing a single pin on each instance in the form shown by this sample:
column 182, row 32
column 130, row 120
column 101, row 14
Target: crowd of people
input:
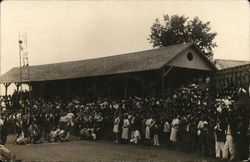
column 191, row 118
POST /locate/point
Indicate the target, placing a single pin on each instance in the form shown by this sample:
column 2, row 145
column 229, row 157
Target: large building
column 140, row 73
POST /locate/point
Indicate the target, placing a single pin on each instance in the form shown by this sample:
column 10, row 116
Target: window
column 190, row 56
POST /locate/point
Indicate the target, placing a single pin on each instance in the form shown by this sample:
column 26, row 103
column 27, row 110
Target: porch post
column 17, row 86
column 41, row 85
column 126, row 84
column 164, row 74
column 163, row 82
column 6, row 85
column 143, row 87
column 110, row 86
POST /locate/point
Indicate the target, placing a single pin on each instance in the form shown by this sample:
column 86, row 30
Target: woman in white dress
column 149, row 124
column 125, row 128
column 174, row 130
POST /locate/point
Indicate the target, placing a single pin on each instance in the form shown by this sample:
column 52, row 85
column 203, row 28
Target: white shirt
column 166, row 127
column 175, row 123
column 149, row 122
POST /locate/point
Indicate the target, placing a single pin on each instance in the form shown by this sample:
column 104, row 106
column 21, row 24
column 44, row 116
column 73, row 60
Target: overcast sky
column 61, row 31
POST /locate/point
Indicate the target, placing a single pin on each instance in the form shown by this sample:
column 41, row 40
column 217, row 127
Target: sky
column 59, row 31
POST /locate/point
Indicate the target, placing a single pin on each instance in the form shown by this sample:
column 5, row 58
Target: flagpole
column 26, row 41
column 20, row 61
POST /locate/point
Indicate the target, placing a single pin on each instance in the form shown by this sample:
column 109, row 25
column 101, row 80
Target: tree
column 178, row 29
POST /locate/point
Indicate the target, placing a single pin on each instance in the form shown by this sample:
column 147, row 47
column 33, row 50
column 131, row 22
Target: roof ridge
column 189, row 43
column 233, row 60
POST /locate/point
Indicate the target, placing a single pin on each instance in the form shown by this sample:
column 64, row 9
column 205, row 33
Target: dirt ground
column 97, row 151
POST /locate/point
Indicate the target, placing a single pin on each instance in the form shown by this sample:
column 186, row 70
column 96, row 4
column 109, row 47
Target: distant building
column 224, row 64
column 234, row 76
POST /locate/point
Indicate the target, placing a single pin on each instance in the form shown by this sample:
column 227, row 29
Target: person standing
column 125, row 128
column 148, row 124
column 204, row 139
column 116, row 128
column 200, row 127
column 219, row 139
column 191, row 136
column 174, row 130
column 156, row 134
column 3, row 130
column 229, row 144
column 166, row 132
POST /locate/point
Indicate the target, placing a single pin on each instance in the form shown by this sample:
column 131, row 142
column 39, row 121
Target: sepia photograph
column 124, row 81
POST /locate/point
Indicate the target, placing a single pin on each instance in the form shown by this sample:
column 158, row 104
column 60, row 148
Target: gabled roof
column 224, row 64
column 125, row 63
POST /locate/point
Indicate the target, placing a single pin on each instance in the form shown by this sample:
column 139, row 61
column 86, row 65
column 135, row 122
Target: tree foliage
column 178, row 29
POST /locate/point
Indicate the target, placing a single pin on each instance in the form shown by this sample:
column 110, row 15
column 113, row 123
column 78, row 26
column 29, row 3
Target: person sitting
column 33, row 133
column 85, row 133
column 96, row 131
column 21, row 140
column 63, row 135
column 53, row 136
column 135, row 137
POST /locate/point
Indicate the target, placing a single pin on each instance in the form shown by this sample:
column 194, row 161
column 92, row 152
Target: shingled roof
column 125, row 63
